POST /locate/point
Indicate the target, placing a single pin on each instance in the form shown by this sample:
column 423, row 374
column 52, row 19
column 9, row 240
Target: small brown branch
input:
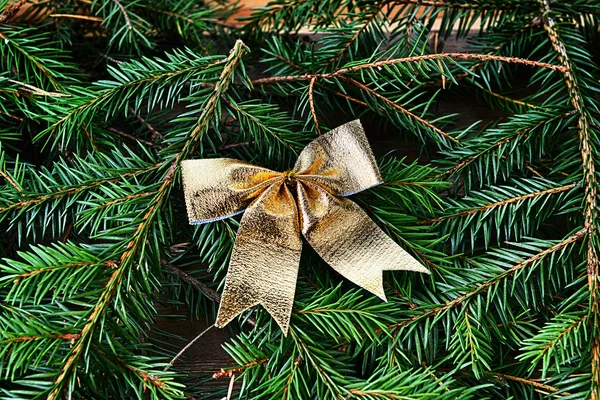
column 133, row 138
column 311, row 102
column 530, row 382
column 20, row 339
column 290, row 63
column 146, row 377
column 124, row 12
column 508, row 99
column 10, row 11
column 413, row 59
column 155, row 134
column 502, row 203
column 10, row 180
column 77, row 16
column 186, row 347
column 228, row 372
column 125, row 198
column 26, row 275
column 30, row 89
column 434, row 3
column 230, row 388
column 399, row 108
column 235, row 145
column 195, row 283
column 576, row 237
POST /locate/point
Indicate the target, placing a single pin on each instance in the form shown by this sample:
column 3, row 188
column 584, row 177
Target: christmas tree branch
column 407, row 60
column 126, row 260
column 502, row 203
column 590, row 211
column 481, row 288
column 33, row 201
column 368, row 21
column 515, row 135
column 398, row 107
column 11, row 43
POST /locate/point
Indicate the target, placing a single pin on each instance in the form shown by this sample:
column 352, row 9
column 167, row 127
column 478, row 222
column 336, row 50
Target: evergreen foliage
column 101, row 101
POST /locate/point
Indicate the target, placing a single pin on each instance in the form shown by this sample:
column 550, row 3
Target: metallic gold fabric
column 278, row 206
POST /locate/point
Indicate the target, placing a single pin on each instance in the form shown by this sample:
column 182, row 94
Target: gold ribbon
column 278, row 206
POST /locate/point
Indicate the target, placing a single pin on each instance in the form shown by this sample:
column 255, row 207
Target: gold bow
column 266, row 254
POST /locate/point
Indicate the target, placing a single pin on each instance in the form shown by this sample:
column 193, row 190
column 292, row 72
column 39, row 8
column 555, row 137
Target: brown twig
column 228, row 372
column 235, row 145
column 56, row 336
column 530, row 382
column 133, row 138
column 125, row 15
column 290, row 63
column 501, row 203
column 10, row 11
column 413, row 59
column 77, row 16
column 195, row 283
column 155, row 134
column 398, row 107
column 10, row 180
column 25, row 275
column 311, row 102
column 36, row 91
column 186, row 347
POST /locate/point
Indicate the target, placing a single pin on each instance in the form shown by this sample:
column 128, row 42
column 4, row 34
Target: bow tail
column 348, row 240
column 265, row 259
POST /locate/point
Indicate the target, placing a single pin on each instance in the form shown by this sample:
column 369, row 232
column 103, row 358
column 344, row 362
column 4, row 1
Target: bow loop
column 220, row 188
column 340, row 160
column 266, row 255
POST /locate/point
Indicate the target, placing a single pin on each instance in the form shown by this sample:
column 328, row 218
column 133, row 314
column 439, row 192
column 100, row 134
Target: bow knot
column 289, row 177
column 266, row 253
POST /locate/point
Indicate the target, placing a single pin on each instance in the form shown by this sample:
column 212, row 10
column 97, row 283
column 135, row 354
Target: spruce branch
column 407, row 60
column 483, row 287
column 502, row 203
column 590, row 211
column 133, row 247
column 401, row 109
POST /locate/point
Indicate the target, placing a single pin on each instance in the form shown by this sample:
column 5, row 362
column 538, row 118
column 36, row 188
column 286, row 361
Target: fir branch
column 590, row 211
column 502, row 203
column 74, row 190
column 413, row 59
column 127, row 259
column 368, row 21
column 398, row 107
column 483, row 287
column 514, row 135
